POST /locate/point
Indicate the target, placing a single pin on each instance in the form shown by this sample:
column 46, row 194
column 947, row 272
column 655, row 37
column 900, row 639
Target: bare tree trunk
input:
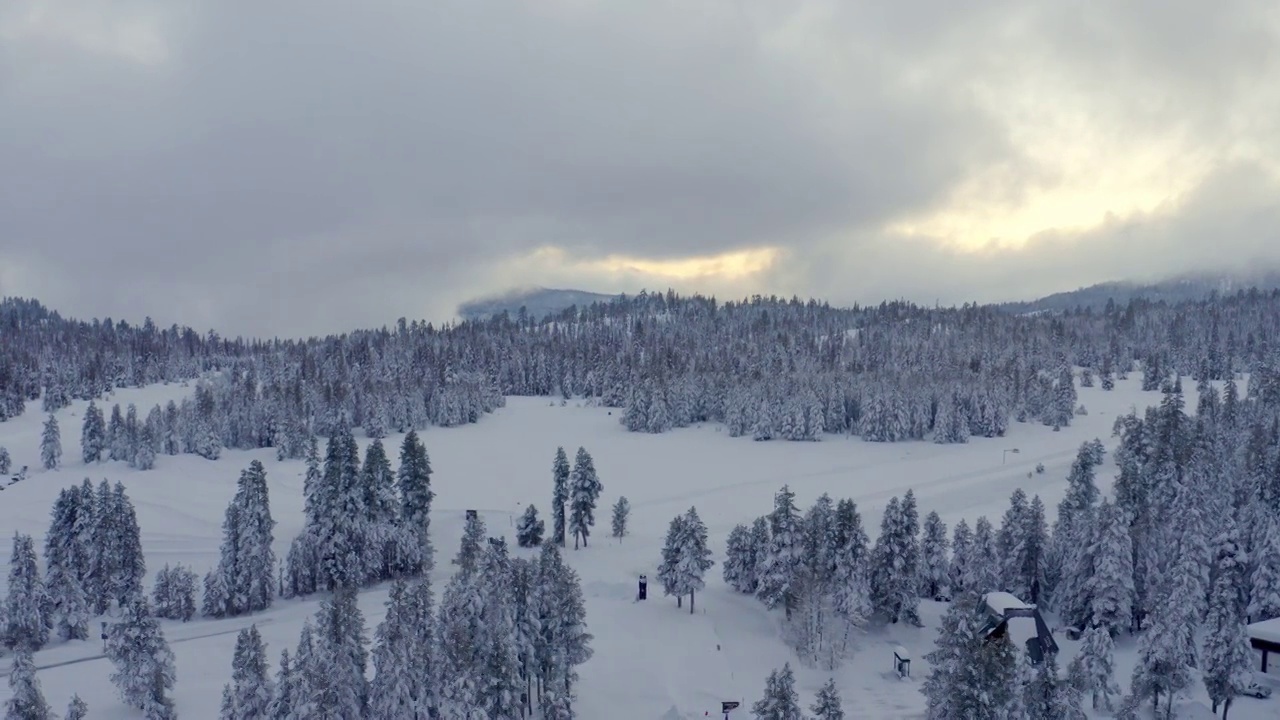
column 690, row 602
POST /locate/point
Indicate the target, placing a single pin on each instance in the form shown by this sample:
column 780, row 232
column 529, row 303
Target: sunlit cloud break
column 735, row 265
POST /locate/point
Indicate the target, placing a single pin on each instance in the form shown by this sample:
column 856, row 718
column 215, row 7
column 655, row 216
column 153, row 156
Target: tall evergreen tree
column 780, row 701
column 1167, row 652
column 961, row 557
column 895, row 577
column 1227, row 659
column 244, row 580
column 936, row 571
column 93, row 434
column 984, row 559
column 740, row 561
column 530, row 528
column 826, row 706
column 342, row 653
column 144, row 664
column 473, row 535
column 851, row 592
column 559, row 495
column 404, row 671
column 621, row 511
column 693, row 556
column 1264, row 599
column 51, row 444
column 26, row 617
column 252, row 689
column 282, row 699
column 1095, row 666
column 77, row 709
column 584, row 491
column 414, row 479
column 971, row 678
column 26, row 701
column 783, row 561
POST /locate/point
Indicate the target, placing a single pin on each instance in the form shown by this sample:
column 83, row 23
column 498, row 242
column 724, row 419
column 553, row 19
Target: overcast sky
column 296, row 167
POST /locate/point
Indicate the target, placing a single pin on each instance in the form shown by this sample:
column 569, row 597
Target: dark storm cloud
column 301, row 167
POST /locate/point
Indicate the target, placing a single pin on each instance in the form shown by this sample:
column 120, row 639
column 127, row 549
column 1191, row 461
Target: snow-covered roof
column 1003, row 602
column 1267, row 630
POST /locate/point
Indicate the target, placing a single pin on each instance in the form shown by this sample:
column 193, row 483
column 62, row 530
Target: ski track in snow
column 652, row 660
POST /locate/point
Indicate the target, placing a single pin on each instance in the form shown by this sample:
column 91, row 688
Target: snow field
column 651, row 659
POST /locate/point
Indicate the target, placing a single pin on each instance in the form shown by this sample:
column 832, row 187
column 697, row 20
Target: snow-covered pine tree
column 286, row 690
column 381, row 506
column 1167, row 653
column 404, row 671
column 851, row 591
column 936, row 568
column 1095, row 666
column 584, row 491
column 144, row 664
column 1105, row 573
column 1264, row 599
column 252, row 689
column 244, row 580
column 739, row 570
column 826, row 705
column 621, row 512
column 342, row 656
column 564, row 642
column 971, row 677
column 26, row 620
column 984, row 560
column 6, row 462
column 1045, row 697
column 783, row 560
column 529, row 529
column 499, row 670
column 117, row 439
column 77, row 709
column 669, row 566
column 472, row 545
column 961, row 557
column 694, row 557
column 51, row 444
column 1227, row 658
column 559, row 495
column 26, row 701
column 780, row 701
column 227, row 711
column 414, row 480
column 895, row 580
column 93, row 434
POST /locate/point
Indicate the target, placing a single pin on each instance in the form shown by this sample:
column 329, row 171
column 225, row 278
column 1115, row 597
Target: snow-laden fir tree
column 1027, row 561
column 935, row 572
column 77, row 709
column 498, row 695
column 780, row 701
column 26, row 701
column 118, row 565
column 559, row 495
column 1095, row 667
column 740, row 561
column 337, row 675
column 93, row 434
column 403, row 654
column 1045, row 697
column 826, row 705
column 174, row 593
column 414, row 482
column 1227, row 659
column 621, row 512
column 1073, row 515
column 26, row 619
column 783, row 561
column 529, row 528
column 460, row 649
column 244, row 580
column 68, row 605
column 117, row 438
column 6, row 462
column 285, row 691
column 252, row 690
column 1167, row 653
column 961, row 554
column 895, row 580
column 851, row 589
column 563, row 641
column 1264, row 598
column 472, row 545
column 668, row 567
column 1099, row 584
column 687, row 558
column 584, row 491
column 51, row 444
column 144, row 667
column 227, row 711
column 983, row 572
column 971, row 678
column 68, row 560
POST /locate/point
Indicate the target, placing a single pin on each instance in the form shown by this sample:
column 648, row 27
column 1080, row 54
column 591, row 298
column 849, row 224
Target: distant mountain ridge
column 1177, row 289
column 538, row 302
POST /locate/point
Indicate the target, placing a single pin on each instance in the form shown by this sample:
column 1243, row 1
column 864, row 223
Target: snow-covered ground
column 652, row 661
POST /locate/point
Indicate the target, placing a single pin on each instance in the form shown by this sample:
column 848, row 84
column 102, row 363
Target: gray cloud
column 289, row 168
